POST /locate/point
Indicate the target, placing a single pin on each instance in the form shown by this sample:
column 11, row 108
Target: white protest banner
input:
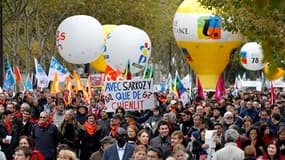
column 132, row 95
column 209, row 139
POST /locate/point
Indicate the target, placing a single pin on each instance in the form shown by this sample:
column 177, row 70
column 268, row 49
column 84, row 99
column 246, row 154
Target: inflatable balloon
column 251, row 56
column 100, row 63
column 277, row 73
column 80, row 39
column 203, row 42
column 128, row 43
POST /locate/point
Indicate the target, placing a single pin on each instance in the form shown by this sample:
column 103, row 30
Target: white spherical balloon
column 251, row 56
column 128, row 43
column 80, row 39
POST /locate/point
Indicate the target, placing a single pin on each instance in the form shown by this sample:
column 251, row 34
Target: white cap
column 228, row 114
column 173, row 102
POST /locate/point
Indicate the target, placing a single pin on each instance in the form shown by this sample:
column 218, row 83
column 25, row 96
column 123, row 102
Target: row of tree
column 29, row 28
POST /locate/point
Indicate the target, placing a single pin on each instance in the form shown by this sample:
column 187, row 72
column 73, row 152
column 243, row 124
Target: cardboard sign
column 132, row 95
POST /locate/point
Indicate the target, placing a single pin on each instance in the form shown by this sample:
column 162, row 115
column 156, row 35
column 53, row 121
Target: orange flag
column 77, row 82
column 55, row 87
column 68, row 86
column 80, row 86
column 89, row 86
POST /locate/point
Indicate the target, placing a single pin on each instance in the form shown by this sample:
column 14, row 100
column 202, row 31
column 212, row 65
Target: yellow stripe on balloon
column 100, row 63
column 195, row 7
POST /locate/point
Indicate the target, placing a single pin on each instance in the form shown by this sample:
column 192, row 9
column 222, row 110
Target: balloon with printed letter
column 80, row 39
column 251, row 56
column 204, row 43
column 128, row 43
column 100, row 63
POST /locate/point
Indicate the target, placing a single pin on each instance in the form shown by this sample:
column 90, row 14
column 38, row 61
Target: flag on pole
column 9, row 81
column 56, row 67
column 89, row 85
column 200, row 89
column 55, row 87
column 146, row 72
column 272, row 94
column 179, row 86
column 17, row 74
column 151, row 73
column 169, row 82
column 77, row 82
column 68, row 86
column 220, row 89
column 28, row 83
column 111, row 74
column 41, row 75
column 80, row 86
column 128, row 73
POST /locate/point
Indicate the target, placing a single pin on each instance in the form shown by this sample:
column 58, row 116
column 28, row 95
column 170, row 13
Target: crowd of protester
column 37, row 125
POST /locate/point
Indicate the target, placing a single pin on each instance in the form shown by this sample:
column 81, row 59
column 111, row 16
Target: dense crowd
column 37, row 125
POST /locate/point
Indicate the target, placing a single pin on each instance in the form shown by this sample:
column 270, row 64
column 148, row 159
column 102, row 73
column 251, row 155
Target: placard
column 132, row 95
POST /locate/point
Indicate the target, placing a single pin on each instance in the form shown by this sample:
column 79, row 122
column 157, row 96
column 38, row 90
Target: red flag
column 111, row 74
column 200, row 89
column 272, row 94
column 128, row 71
column 220, row 89
column 17, row 74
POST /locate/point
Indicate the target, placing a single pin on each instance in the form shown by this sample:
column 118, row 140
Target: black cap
column 82, row 106
column 131, row 115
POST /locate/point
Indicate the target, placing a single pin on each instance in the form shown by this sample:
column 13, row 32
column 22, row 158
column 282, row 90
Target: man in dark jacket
column 120, row 150
column 46, row 137
column 24, row 123
column 162, row 141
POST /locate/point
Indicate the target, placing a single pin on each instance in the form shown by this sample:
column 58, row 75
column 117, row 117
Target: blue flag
column 55, row 66
column 9, row 81
column 41, row 75
column 28, row 83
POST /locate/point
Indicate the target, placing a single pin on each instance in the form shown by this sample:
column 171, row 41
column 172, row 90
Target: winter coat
column 46, row 140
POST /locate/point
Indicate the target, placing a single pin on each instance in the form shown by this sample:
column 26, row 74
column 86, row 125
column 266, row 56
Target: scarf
column 8, row 125
column 90, row 128
column 114, row 129
column 43, row 124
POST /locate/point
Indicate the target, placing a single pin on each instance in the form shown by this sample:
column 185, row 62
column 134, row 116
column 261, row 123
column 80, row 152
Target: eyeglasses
column 43, row 117
column 230, row 117
column 23, row 143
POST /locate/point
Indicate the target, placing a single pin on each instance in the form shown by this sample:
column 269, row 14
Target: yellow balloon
column 278, row 73
column 203, row 42
column 100, row 63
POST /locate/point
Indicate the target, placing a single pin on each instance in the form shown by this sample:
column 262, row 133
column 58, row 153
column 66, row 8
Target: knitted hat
column 196, row 134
